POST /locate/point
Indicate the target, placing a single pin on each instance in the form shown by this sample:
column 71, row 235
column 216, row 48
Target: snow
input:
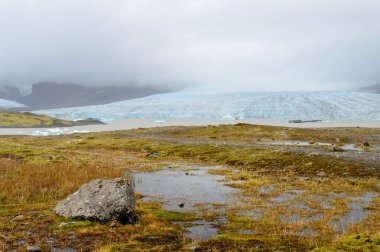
column 56, row 132
column 7, row 104
column 322, row 105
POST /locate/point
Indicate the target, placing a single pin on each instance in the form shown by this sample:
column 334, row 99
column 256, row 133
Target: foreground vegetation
column 30, row 120
column 289, row 196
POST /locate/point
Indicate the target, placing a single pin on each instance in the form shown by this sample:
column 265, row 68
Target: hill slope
column 30, row 120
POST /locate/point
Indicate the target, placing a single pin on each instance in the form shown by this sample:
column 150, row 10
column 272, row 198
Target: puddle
column 305, row 143
column 174, row 186
column 253, row 214
column 306, row 232
column 266, row 189
column 297, row 218
column 201, row 231
column 290, row 195
column 300, row 206
column 356, row 212
column 193, row 187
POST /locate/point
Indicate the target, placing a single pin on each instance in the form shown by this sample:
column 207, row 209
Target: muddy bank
column 125, row 124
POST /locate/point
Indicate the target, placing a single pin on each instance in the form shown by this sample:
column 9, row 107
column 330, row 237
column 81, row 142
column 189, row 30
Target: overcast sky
column 192, row 44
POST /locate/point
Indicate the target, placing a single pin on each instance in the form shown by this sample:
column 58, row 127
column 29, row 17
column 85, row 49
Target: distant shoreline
column 126, row 124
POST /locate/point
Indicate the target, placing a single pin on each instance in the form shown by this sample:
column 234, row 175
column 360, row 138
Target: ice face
column 323, row 105
column 6, row 104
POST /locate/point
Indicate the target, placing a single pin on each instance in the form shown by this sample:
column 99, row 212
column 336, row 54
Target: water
column 194, row 188
column 172, row 187
column 356, row 213
column 305, row 143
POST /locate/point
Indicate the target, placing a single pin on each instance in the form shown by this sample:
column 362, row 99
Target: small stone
column 19, row 218
column 187, row 173
column 181, row 204
column 311, row 142
column 337, row 149
column 63, row 224
column 112, row 225
column 366, row 144
column 193, row 248
column 321, row 174
column 33, row 249
column 154, row 155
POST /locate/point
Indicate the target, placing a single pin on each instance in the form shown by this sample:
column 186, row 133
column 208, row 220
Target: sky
column 223, row 45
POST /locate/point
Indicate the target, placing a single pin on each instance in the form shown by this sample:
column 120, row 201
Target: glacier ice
column 323, row 105
column 7, row 104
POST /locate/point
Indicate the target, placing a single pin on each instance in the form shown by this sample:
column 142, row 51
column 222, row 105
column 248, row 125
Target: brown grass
column 34, row 182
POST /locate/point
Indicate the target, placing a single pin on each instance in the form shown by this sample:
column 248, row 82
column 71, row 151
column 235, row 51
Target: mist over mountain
column 373, row 88
column 50, row 95
column 59, row 95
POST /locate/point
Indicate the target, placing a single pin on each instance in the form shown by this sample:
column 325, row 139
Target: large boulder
column 101, row 200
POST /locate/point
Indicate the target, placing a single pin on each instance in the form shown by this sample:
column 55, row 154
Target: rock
column 101, row 200
column 321, row 174
column 181, row 204
column 154, row 155
column 366, row 144
column 112, row 225
column 337, row 149
column 33, row 249
column 63, row 224
column 18, row 218
column 312, row 142
column 147, row 148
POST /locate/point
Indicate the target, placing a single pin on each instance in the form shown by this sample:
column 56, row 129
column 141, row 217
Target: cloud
column 198, row 44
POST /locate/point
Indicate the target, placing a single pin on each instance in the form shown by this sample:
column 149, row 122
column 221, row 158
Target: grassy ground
column 289, row 198
column 30, row 120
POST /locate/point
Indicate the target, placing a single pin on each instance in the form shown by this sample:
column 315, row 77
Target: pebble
column 321, row 174
column 19, row 218
column 63, row 224
column 154, row 155
column 33, row 249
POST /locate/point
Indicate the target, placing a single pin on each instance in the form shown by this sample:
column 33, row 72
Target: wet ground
column 192, row 189
column 188, row 189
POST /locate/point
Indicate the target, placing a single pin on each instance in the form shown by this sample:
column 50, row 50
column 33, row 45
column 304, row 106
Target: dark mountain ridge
column 372, row 89
column 50, row 95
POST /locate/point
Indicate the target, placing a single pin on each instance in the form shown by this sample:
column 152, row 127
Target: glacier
column 7, row 104
column 307, row 105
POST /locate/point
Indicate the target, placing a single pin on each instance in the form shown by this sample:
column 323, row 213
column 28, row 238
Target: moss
column 74, row 224
column 360, row 242
column 175, row 216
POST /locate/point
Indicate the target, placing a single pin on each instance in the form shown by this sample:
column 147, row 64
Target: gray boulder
column 101, row 200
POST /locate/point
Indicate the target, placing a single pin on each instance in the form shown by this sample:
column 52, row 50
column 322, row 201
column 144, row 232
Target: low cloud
column 197, row 45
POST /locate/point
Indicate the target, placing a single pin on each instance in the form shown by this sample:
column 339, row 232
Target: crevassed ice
column 323, row 105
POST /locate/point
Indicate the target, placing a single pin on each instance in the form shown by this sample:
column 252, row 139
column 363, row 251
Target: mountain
column 373, row 89
column 327, row 105
column 10, row 93
column 49, row 95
